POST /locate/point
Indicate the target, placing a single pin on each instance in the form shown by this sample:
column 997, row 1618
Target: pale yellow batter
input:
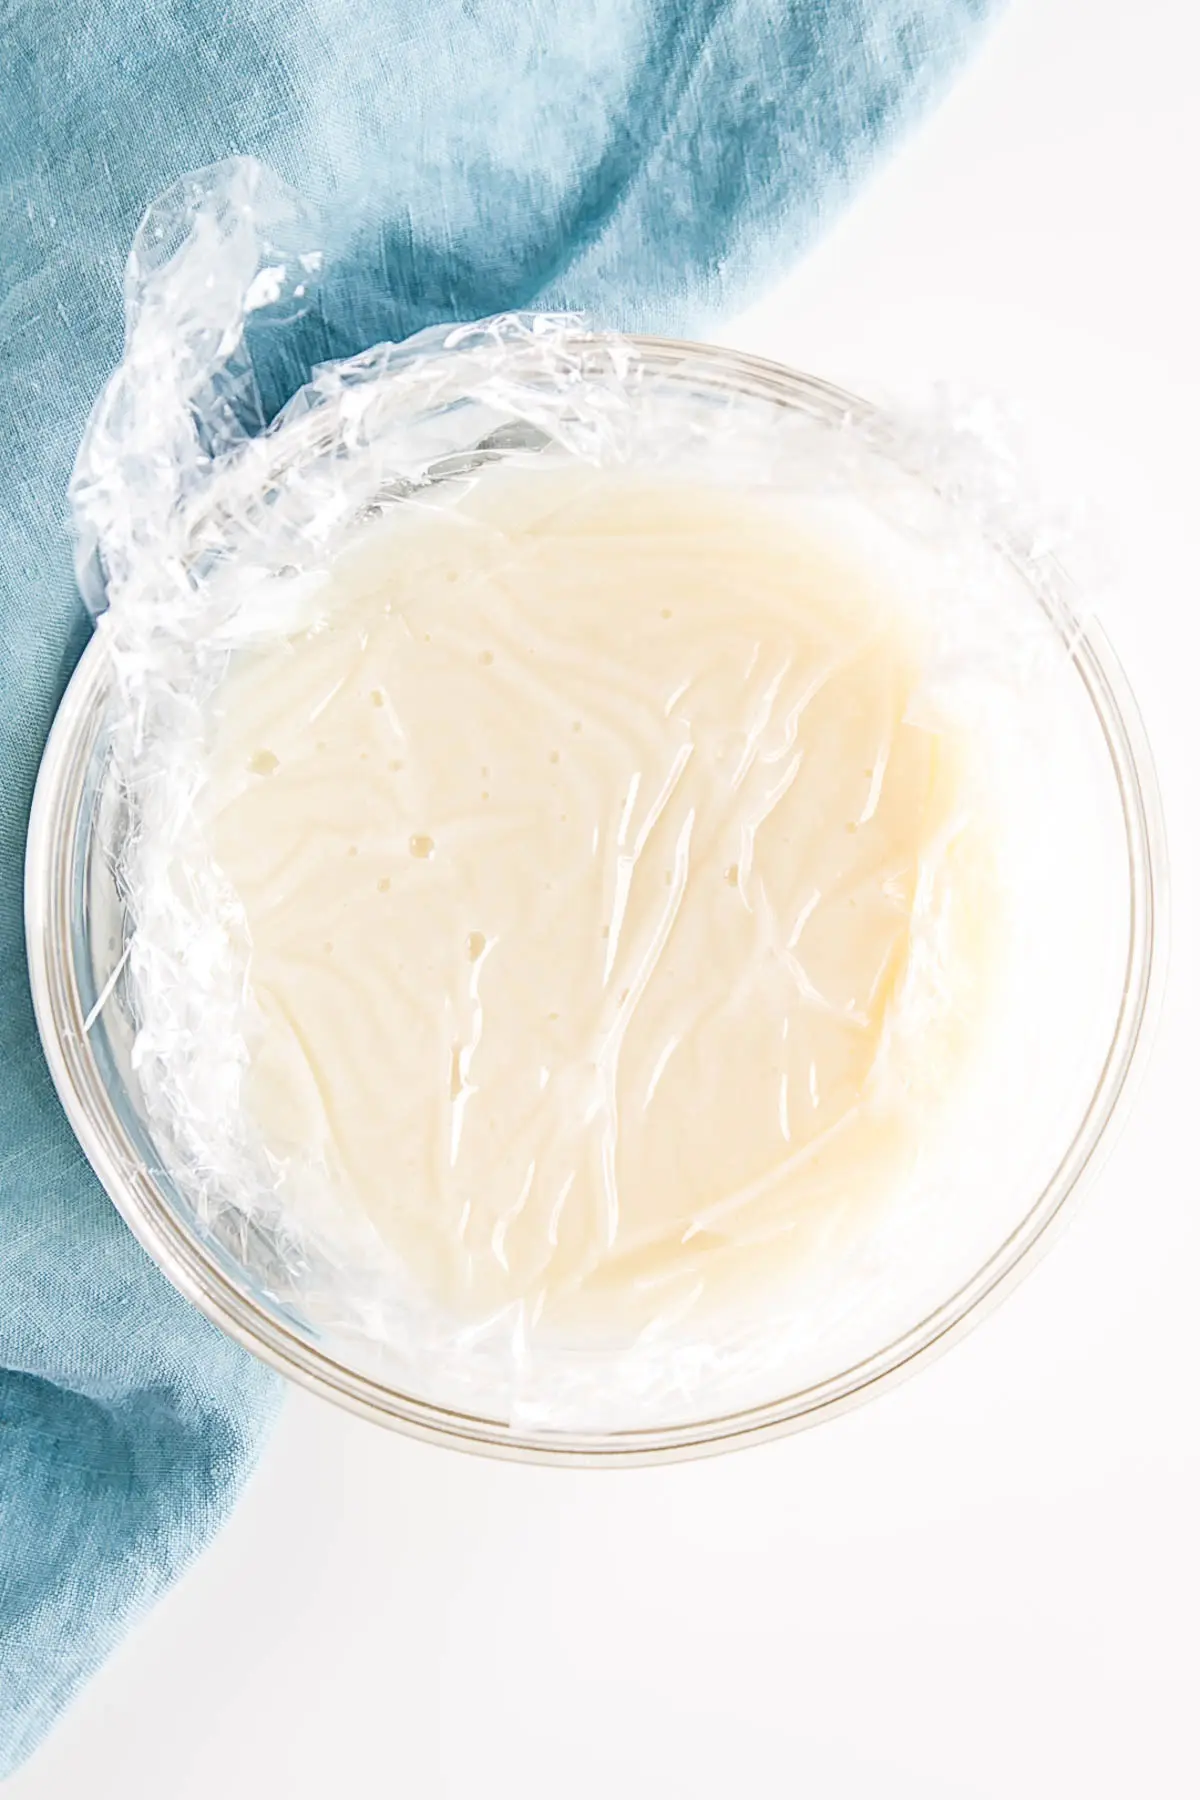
column 579, row 842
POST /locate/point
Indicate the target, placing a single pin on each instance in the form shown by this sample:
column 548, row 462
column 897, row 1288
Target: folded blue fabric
column 649, row 161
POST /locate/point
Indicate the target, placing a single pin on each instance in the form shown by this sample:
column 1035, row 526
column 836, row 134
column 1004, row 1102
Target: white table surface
column 983, row 1586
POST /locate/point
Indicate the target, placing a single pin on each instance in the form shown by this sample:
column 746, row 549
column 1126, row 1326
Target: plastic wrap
column 214, row 542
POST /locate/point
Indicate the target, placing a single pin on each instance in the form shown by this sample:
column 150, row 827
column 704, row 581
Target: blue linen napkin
column 648, row 161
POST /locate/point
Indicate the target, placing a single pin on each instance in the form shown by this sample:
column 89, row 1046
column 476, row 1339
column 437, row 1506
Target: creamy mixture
column 610, row 911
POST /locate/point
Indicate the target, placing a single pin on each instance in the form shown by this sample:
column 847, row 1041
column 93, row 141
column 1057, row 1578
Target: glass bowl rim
column 50, row 862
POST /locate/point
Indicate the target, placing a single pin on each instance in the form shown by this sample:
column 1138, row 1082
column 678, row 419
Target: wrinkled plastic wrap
column 210, row 534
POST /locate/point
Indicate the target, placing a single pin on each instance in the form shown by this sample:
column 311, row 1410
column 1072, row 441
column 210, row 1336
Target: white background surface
column 983, row 1586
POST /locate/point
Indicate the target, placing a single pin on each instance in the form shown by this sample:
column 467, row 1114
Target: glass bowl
column 76, row 930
